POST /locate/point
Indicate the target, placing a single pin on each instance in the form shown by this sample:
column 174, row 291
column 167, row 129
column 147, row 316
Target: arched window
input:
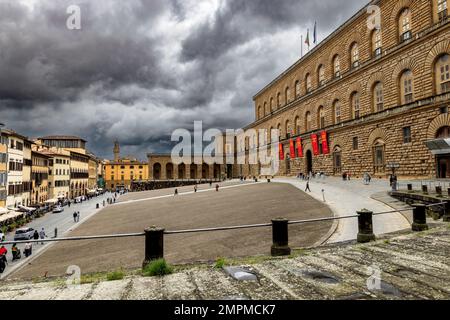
column 321, row 118
column 376, row 43
column 354, row 53
column 442, row 74
column 278, row 100
column 260, row 114
column 321, row 75
column 356, row 105
column 404, row 25
column 297, row 125
column 379, row 156
column 288, row 129
column 308, row 83
column 378, row 98
column 337, row 112
column 441, row 11
column 406, row 87
column 337, row 160
column 308, row 121
column 287, row 95
column 271, row 105
column 337, row 66
column 270, row 135
column 265, row 108
column 443, row 133
column 297, row 88
column 279, row 131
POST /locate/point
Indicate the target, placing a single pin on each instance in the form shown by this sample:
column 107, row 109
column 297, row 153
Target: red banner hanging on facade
column 292, row 148
column 299, row 148
column 281, row 148
column 325, row 148
column 315, row 144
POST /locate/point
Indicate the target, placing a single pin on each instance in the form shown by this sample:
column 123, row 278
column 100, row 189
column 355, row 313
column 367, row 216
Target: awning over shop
column 11, row 215
column 439, row 146
column 51, row 201
column 26, row 209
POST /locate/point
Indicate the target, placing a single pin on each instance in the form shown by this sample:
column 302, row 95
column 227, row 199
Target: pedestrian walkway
column 62, row 221
column 345, row 198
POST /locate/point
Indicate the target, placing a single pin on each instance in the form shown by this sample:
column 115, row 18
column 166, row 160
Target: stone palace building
column 366, row 98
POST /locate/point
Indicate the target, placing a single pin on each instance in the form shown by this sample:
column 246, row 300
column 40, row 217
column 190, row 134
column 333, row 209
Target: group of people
column 76, row 216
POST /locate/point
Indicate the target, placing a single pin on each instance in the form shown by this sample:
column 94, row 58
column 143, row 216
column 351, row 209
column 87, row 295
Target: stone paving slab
column 410, row 268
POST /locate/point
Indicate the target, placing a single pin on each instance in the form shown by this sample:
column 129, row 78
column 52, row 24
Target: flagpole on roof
column 301, row 48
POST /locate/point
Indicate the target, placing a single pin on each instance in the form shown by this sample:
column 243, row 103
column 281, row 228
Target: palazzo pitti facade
column 365, row 97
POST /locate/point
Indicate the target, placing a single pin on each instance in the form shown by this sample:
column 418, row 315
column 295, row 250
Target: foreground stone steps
column 413, row 266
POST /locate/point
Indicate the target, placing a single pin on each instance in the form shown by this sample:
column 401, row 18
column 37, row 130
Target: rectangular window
column 407, row 135
column 355, row 143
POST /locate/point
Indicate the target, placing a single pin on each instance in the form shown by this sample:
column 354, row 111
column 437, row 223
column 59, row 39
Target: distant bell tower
column 116, row 151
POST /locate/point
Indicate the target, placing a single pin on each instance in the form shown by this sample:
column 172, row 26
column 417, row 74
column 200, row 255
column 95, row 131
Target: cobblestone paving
column 412, row 266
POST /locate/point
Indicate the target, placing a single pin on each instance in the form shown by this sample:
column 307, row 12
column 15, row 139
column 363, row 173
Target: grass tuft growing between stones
column 220, row 263
column 115, row 275
column 157, row 268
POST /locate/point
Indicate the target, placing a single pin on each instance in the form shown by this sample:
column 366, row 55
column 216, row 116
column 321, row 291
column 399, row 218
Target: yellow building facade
column 120, row 174
column 39, row 178
column 3, row 170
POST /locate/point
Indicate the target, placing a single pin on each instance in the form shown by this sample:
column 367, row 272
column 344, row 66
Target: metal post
column 154, row 245
column 280, row 236
column 446, row 217
column 97, row 206
column 419, row 217
column 365, row 226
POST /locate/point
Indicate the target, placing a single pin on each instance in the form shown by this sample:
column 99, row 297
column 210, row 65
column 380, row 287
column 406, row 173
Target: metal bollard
column 280, row 236
column 154, row 245
column 410, row 187
column 439, row 191
column 97, row 206
column 419, row 218
column 365, row 226
column 446, row 217
column 425, row 189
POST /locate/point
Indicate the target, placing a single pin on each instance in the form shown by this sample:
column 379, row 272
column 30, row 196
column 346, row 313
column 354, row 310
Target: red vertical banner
column 292, row 149
column 281, row 148
column 315, row 144
column 325, row 147
column 299, row 148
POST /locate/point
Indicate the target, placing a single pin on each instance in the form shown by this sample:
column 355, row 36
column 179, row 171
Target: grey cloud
column 120, row 78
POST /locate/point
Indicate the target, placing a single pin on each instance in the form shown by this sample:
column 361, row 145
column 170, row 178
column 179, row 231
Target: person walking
column 42, row 235
column 307, row 186
column 75, row 216
column 28, row 250
column 217, row 188
column 176, row 192
column 195, row 188
column 78, row 216
column 36, row 235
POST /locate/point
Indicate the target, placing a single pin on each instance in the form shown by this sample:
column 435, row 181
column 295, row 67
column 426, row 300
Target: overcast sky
column 138, row 69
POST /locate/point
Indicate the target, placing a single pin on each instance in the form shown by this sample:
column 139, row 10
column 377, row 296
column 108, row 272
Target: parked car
column 58, row 209
column 24, row 234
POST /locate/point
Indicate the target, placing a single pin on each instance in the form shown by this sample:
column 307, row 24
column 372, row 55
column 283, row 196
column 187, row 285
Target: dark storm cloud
column 139, row 69
column 238, row 21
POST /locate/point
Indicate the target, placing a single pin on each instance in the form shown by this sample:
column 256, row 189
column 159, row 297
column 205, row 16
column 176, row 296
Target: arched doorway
column 169, row 171
column 181, row 171
column 205, row 171
column 288, row 164
column 193, row 171
column 337, row 160
column 157, row 171
column 443, row 161
column 229, row 171
column 217, row 171
column 309, row 162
